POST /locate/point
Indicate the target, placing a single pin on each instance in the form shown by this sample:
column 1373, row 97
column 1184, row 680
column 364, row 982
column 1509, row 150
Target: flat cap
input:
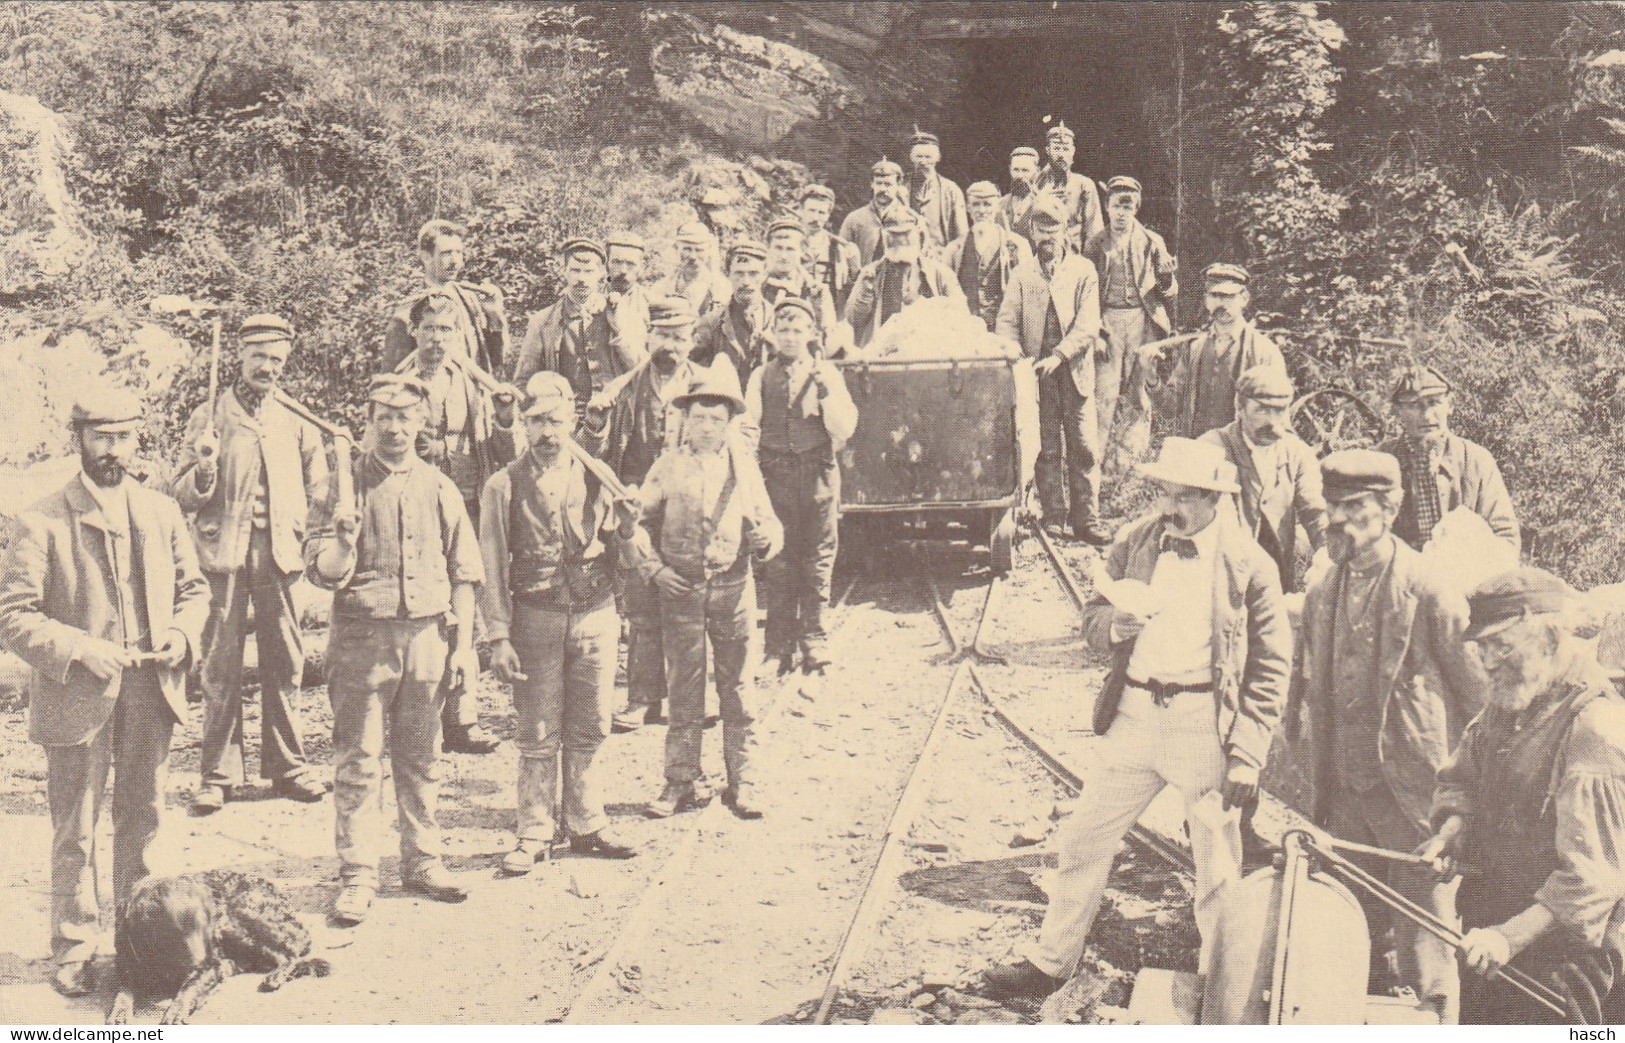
column 899, row 218
column 1048, row 214
column 547, row 391
column 1418, row 382
column 982, row 190
column 1354, row 472
column 1060, row 130
column 747, row 248
column 1122, row 183
column 630, row 240
column 1223, row 273
column 792, row 303
column 1502, row 600
column 258, row 329
column 107, row 408
column 884, row 166
column 671, row 311
column 694, row 233
column 924, row 137
column 1024, row 152
column 397, row 390
column 1269, row 384
column 575, row 246
column 786, row 224
column 818, row 192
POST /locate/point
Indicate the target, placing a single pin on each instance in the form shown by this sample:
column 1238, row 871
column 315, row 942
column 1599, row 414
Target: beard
column 106, row 471
column 620, row 283
column 1515, row 683
column 902, row 254
column 664, row 362
column 1021, row 189
column 1340, row 546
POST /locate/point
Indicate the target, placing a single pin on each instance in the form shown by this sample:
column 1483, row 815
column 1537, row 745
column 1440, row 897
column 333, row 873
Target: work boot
column 523, row 858
column 74, row 978
column 352, row 904
column 467, row 738
column 209, row 799
column 738, row 800
column 303, row 789
column 1022, row 979
column 653, row 715
column 596, row 845
column 629, row 720
column 435, row 881
column 677, row 796
column 1093, row 534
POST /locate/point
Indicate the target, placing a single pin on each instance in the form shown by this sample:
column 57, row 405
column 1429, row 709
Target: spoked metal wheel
column 1332, row 418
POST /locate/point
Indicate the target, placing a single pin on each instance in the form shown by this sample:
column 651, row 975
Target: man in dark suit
column 101, row 594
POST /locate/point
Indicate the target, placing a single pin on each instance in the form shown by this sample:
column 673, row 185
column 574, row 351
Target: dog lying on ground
column 182, row 936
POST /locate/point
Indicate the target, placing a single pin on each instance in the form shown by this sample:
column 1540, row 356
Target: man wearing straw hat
column 251, row 473
column 1389, row 686
column 1529, row 805
column 1200, row 652
column 549, row 540
column 101, row 595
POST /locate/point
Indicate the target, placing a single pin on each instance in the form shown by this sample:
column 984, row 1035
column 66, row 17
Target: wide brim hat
column 1196, row 465
column 718, row 380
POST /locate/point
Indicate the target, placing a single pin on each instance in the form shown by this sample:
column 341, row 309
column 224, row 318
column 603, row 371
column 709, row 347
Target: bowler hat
column 1267, row 383
column 259, row 329
column 107, row 408
column 547, row 391
column 1197, row 465
column 718, row 380
column 1355, row 472
column 671, row 311
column 1418, row 381
column 1503, row 600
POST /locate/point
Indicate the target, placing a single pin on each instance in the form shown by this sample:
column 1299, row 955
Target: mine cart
column 939, row 439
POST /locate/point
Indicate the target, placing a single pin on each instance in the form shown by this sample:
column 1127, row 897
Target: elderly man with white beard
column 902, row 276
column 985, row 258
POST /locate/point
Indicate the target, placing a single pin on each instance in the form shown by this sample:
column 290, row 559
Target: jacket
column 834, row 262
column 544, row 344
column 485, row 326
column 1273, row 505
column 1075, row 290
column 472, row 452
column 708, row 291
column 611, row 436
column 1083, row 214
column 57, row 590
column 926, row 278
column 296, row 481
column 1201, row 392
column 696, row 546
column 862, row 228
column 1252, row 641
column 1151, row 268
column 1433, row 685
column 1468, row 477
column 1016, row 214
column 1013, row 251
column 941, row 203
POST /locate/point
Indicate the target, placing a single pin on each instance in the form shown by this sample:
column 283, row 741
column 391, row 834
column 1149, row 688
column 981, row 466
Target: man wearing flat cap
column 864, row 226
column 696, row 276
column 1015, row 209
column 1051, row 308
column 1388, row 685
column 1138, row 283
column 1200, row 653
column 1200, row 393
column 903, row 275
column 705, row 507
column 403, row 561
column 550, row 540
column 1076, row 191
column 1280, row 476
column 832, row 260
column 482, row 325
column 985, row 258
column 939, row 202
column 100, row 594
column 1442, row 470
column 575, row 336
column 628, row 425
column 787, row 276
column 800, row 406
column 252, row 472
column 627, row 304
column 739, row 328
column 1529, row 808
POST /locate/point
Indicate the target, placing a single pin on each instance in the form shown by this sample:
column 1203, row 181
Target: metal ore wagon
column 937, row 442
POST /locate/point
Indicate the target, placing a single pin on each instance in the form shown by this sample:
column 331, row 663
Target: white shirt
column 1176, row 646
column 114, row 502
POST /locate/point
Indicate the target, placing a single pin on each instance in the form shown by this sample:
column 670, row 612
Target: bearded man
column 902, row 276
column 987, row 256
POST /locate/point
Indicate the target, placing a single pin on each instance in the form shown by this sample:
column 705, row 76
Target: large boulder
column 41, row 234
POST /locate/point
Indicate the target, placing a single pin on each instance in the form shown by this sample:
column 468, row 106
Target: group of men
column 648, row 453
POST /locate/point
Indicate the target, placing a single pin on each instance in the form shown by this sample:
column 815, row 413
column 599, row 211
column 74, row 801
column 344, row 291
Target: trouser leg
column 682, row 622
column 1050, row 470
column 75, row 782
column 414, row 740
column 539, row 638
column 142, row 726
column 282, row 663
column 589, row 677
column 823, row 526
column 1108, row 384
column 729, row 610
column 364, row 668
column 221, row 756
column 1116, row 790
column 783, row 577
column 645, row 657
column 1082, row 456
